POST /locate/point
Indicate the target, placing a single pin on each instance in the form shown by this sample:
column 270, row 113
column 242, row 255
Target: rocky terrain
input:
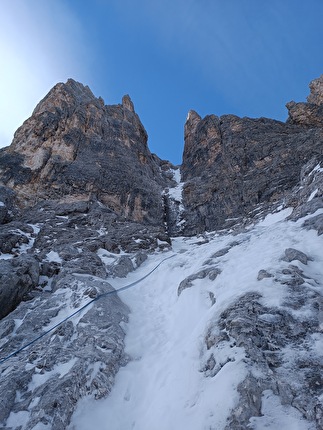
column 84, row 208
column 231, row 164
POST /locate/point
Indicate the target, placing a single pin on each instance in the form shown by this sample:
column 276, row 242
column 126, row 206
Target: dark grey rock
column 307, row 198
column 221, row 252
column 49, row 268
column 18, row 277
column 123, row 267
column 267, row 334
column 13, row 235
column 316, row 223
column 86, row 262
column 7, row 205
column 210, row 272
column 262, row 274
column 292, row 254
column 232, row 164
column 11, row 240
column 4, row 214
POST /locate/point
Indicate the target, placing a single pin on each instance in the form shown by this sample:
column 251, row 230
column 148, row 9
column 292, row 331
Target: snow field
column 164, row 387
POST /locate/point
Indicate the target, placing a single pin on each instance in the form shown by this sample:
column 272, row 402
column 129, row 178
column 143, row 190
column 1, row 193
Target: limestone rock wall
column 75, row 148
column 231, row 164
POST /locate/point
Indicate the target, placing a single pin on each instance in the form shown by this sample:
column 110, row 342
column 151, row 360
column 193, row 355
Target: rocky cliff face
column 74, row 148
column 232, row 164
column 84, row 203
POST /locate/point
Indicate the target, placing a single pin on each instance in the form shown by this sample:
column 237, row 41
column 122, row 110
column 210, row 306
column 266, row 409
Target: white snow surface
column 59, row 371
column 106, row 256
column 164, row 387
column 313, row 194
column 316, row 169
column 272, row 218
column 277, row 416
column 54, row 257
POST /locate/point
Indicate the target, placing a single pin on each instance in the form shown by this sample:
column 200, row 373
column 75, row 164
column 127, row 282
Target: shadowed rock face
column 230, row 164
column 74, row 148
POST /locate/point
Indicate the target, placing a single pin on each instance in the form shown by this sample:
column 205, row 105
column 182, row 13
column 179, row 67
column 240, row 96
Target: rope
column 108, row 293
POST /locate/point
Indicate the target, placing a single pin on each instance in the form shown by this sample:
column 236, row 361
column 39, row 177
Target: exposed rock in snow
column 18, row 277
column 292, row 254
column 210, row 272
column 79, row 357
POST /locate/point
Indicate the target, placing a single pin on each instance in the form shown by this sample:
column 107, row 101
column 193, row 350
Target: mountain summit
column 74, row 148
column 218, row 263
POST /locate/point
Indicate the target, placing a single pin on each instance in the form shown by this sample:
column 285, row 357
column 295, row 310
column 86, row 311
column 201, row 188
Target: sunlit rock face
column 310, row 113
column 75, row 148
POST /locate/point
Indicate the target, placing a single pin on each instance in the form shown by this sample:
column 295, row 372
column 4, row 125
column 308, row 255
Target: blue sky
column 243, row 57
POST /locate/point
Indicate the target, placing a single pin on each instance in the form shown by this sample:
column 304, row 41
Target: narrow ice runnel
column 175, row 202
column 175, row 193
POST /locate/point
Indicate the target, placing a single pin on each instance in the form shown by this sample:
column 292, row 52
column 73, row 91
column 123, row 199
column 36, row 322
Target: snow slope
column 176, row 378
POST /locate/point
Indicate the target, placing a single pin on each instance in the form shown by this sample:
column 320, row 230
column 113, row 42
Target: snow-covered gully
column 185, row 365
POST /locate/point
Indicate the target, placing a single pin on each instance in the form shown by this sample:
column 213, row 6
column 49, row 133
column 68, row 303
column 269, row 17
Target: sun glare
column 35, row 54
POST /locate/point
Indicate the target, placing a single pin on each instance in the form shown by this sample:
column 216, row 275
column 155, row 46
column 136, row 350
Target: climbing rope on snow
column 108, row 293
